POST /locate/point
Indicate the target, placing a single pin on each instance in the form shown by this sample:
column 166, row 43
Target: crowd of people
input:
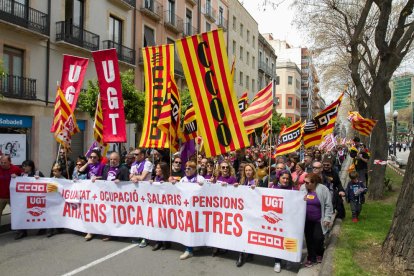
column 313, row 170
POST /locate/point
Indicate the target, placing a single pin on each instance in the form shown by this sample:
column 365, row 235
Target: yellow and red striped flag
column 265, row 132
column 158, row 64
column 207, row 72
column 66, row 124
column 189, row 131
column 323, row 124
column 233, row 68
column 98, row 127
column 169, row 120
column 360, row 124
column 260, row 110
column 289, row 139
column 243, row 102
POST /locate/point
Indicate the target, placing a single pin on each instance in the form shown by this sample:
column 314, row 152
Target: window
column 253, row 82
column 221, row 17
column 297, row 103
column 234, row 23
column 260, row 57
column 247, row 82
column 234, row 47
column 208, row 27
column 171, row 12
column 247, row 58
column 241, row 78
column 254, row 42
column 277, row 80
column 74, row 10
column 188, row 22
column 290, row 80
column 241, row 53
column 297, row 84
column 290, row 101
column 248, row 36
column 241, row 30
column 277, row 101
column 253, row 62
column 115, row 30
column 13, row 65
column 149, row 39
column 267, row 61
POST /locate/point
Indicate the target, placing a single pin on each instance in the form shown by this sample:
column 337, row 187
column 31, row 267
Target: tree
column 373, row 36
column 134, row 101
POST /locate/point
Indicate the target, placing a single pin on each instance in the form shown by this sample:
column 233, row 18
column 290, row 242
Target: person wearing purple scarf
column 141, row 169
column 225, row 174
column 283, row 181
column 93, row 168
column 161, row 175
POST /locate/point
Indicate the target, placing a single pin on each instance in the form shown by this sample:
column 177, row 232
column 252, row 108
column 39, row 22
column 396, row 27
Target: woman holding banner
column 93, row 169
column 318, row 217
column 191, row 176
column 248, row 178
column 161, row 175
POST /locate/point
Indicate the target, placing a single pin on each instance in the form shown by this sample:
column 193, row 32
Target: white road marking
column 98, row 261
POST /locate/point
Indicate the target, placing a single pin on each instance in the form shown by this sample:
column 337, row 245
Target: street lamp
column 395, row 117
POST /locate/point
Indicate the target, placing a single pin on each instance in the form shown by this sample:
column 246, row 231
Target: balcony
column 262, row 66
column 191, row 2
column 173, row 22
column 124, row 53
column 17, row 87
column 222, row 23
column 305, row 84
column 189, row 30
column 65, row 31
column 24, row 16
column 210, row 13
column 152, row 9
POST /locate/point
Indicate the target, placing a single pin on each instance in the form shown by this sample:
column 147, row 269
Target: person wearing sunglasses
column 94, row 167
column 177, row 171
column 80, row 162
column 262, row 169
column 332, row 181
column 225, row 174
column 141, row 169
column 191, row 176
column 210, row 169
column 318, row 220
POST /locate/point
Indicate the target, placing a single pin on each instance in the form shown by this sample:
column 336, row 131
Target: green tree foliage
column 134, row 100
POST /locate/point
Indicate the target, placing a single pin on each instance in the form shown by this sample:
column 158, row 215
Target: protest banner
column 262, row 221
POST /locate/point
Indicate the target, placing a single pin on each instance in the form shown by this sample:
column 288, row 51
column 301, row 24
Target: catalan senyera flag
column 189, row 131
column 243, row 102
column 158, row 65
column 260, row 110
column 98, row 127
column 169, row 120
column 360, row 124
column 323, row 124
column 265, row 132
column 289, row 139
column 207, row 72
column 67, row 125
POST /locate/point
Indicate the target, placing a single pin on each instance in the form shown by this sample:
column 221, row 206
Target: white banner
column 262, row 221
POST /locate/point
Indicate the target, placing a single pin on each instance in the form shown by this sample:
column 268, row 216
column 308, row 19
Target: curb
column 396, row 169
column 328, row 256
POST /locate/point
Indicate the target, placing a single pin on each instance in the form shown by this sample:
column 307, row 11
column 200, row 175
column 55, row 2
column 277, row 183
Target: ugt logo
column 272, row 203
column 35, row 205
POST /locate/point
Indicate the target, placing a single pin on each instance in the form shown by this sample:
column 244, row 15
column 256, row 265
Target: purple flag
column 187, row 150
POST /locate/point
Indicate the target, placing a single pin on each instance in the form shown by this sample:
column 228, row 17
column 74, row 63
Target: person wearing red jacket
column 7, row 171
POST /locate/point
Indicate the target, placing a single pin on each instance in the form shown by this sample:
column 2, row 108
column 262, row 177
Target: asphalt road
column 68, row 254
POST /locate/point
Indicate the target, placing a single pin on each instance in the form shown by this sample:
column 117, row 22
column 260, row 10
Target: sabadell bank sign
column 15, row 121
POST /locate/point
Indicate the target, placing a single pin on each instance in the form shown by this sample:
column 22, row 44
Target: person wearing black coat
column 332, row 181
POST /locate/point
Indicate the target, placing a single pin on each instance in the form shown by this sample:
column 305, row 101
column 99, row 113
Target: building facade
column 33, row 37
column 288, row 87
column 242, row 47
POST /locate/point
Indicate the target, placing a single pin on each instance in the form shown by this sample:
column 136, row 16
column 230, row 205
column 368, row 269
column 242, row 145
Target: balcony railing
column 210, row 13
column 17, row 87
column 130, row 2
column 124, row 53
column 222, row 23
column 173, row 22
column 189, row 30
column 152, row 9
column 22, row 15
column 65, row 31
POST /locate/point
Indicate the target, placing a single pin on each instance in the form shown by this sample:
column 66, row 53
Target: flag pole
column 170, row 161
column 57, row 156
column 271, row 129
